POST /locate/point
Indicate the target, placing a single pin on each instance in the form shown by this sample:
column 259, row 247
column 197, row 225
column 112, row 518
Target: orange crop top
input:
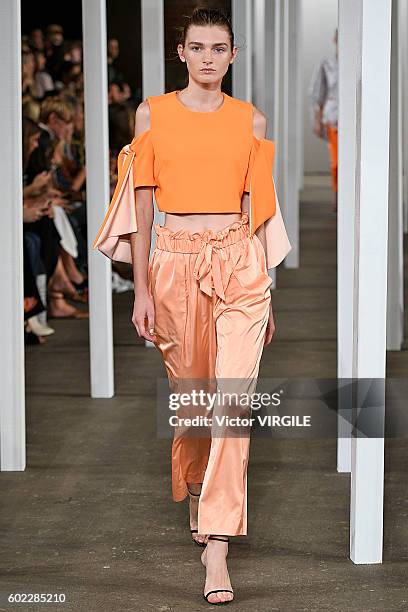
column 197, row 162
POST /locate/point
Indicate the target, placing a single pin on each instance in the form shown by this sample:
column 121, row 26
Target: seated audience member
column 40, row 193
column 43, row 80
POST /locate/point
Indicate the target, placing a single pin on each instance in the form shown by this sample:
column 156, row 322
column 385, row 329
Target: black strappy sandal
column 225, row 590
column 201, row 544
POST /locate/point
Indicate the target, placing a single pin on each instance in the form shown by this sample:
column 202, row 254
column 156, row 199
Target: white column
column 259, row 55
column 299, row 94
column 12, row 404
column 153, row 73
column 288, row 140
column 265, row 86
column 242, row 67
column 153, row 47
column 395, row 293
column 291, row 140
column 277, row 107
column 265, row 68
column 371, row 252
column 266, row 72
column 282, row 107
column 287, row 137
column 348, row 51
column 404, row 67
column 98, row 194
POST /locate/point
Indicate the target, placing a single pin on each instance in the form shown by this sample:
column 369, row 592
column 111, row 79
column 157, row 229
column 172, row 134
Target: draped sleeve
column 264, row 205
column 135, row 169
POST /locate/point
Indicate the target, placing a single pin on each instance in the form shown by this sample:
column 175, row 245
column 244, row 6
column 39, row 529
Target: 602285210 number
column 36, row 598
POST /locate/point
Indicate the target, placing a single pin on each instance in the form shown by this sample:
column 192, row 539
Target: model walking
column 324, row 94
column 204, row 297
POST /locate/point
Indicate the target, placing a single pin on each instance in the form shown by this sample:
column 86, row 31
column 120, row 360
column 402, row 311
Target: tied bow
column 208, row 270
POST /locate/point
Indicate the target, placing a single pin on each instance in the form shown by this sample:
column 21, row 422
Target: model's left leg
column 241, row 322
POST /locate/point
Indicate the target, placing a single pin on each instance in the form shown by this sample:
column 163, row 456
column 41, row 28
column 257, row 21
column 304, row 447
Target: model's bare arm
column 143, row 311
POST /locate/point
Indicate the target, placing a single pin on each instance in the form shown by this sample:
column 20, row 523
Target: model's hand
column 34, row 213
column 270, row 328
column 143, row 316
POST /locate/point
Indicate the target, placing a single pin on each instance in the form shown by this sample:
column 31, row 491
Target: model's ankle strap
column 194, row 494
column 220, row 538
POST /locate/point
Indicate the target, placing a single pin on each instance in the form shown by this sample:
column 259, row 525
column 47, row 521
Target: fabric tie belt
column 213, row 266
column 209, row 271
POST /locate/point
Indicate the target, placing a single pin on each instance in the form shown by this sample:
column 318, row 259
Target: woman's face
column 58, row 125
column 207, row 52
column 76, row 55
column 28, row 64
column 37, row 38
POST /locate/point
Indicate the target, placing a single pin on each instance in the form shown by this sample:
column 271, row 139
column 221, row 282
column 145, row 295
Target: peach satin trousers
column 212, row 299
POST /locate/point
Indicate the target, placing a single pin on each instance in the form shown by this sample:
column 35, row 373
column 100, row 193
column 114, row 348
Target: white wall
column 319, row 24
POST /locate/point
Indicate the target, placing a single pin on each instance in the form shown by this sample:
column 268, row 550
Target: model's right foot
column 214, row 558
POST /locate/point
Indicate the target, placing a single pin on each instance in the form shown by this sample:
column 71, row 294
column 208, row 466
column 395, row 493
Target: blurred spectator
column 113, row 53
column 36, row 40
column 43, row 80
column 54, row 173
column 55, row 115
column 57, row 236
column 75, row 50
column 55, row 50
column 32, row 109
column 28, row 86
column 120, row 125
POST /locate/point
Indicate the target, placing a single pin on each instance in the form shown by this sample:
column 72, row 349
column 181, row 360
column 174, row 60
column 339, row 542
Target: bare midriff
column 200, row 222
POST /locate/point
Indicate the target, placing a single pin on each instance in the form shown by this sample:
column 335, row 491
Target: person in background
column 36, row 40
column 48, row 156
column 28, row 84
column 55, row 50
column 115, row 76
column 54, row 117
column 54, row 170
column 120, row 124
column 43, row 80
column 32, row 110
column 113, row 54
column 38, row 243
column 323, row 93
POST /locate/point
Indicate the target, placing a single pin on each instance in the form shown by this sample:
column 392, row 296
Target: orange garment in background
column 211, row 293
column 332, row 145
